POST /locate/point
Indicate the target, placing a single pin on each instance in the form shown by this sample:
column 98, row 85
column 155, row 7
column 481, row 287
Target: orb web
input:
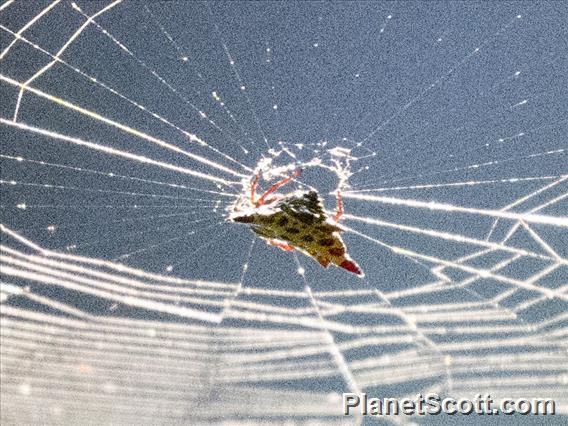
column 131, row 132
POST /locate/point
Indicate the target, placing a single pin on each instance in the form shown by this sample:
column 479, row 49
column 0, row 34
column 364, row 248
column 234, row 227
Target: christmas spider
column 297, row 221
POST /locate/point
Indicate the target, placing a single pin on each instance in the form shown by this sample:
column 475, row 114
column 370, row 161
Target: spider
column 298, row 221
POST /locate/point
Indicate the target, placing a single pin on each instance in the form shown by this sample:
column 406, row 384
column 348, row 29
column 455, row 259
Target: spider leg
column 339, row 209
column 281, row 246
column 262, row 200
column 253, row 187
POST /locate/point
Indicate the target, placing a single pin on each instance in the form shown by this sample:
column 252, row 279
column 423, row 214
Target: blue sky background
column 404, row 78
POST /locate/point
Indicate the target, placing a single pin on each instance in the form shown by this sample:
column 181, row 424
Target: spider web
column 129, row 133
